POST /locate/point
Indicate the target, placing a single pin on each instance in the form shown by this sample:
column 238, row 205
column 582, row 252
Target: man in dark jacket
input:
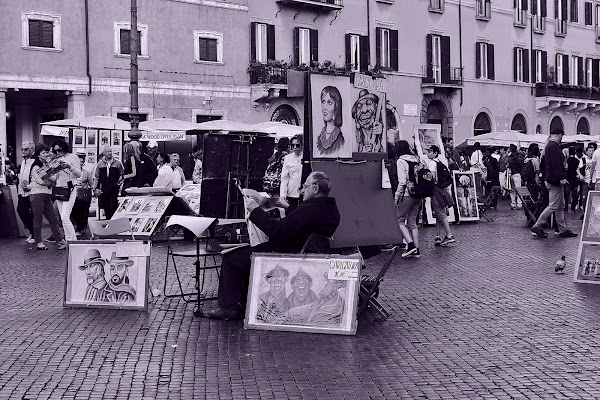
column 555, row 177
column 318, row 213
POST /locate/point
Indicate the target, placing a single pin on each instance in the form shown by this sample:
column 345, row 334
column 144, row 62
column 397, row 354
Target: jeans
column 571, row 190
column 515, row 201
column 25, row 212
column 556, row 205
column 80, row 214
column 42, row 206
column 234, row 277
column 64, row 209
column 479, row 185
column 109, row 203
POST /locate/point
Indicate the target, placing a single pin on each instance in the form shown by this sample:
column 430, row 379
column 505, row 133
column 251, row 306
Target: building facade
column 470, row 66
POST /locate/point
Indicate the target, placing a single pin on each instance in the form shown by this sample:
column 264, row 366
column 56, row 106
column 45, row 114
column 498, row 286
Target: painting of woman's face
column 327, row 107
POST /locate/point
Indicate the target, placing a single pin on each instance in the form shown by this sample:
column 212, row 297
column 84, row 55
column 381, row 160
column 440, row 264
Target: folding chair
column 198, row 226
column 110, row 228
column 487, row 203
column 369, row 288
column 530, row 205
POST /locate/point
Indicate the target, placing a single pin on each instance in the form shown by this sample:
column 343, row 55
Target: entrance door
column 436, row 114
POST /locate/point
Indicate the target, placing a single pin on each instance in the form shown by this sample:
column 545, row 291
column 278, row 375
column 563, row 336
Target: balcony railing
column 436, row 5
column 567, row 91
column 432, row 74
column 268, row 75
column 560, row 27
column 539, row 23
column 322, row 4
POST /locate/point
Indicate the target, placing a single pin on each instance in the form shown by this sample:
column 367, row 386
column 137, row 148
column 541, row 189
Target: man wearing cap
column 93, row 265
column 122, row 292
column 302, row 293
column 273, row 303
column 318, row 213
column 152, row 149
column 148, row 166
column 108, row 178
column 369, row 132
column 554, row 174
column 327, row 309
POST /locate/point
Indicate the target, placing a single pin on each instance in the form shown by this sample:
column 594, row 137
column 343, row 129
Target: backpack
column 528, row 171
column 443, row 175
column 515, row 162
column 272, row 178
column 420, row 180
column 583, row 163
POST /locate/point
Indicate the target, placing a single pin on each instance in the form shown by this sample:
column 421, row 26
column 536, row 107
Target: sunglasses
column 56, row 150
column 294, row 146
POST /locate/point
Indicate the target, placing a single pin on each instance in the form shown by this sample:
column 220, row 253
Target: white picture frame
column 465, row 195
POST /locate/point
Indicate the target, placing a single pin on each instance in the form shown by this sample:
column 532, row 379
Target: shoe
column 30, row 240
column 41, row 246
column 410, row 250
column 512, row 207
column 539, row 232
column 567, row 233
column 447, row 240
column 437, row 241
column 416, row 254
column 224, row 315
column 62, row 245
column 50, row 239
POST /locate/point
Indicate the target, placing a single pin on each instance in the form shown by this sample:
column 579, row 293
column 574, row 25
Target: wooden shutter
column 565, row 69
column 253, row 41
column 47, row 34
column 314, row 45
column 429, row 56
column 348, row 50
column 445, row 56
column 515, row 64
column 394, row 49
column 595, row 72
column 270, row 42
column 525, row 60
column 296, row 46
column 378, row 46
column 580, row 71
column 564, row 7
column 544, row 66
column 212, row 49
column 524, row 5
column 556, row 57
column 203, row 49
column 124, row 40
column 35, row 39
column 533, row 66
column 534, row 7
column 364, row 53
column 544, row 8
column 588, row 13
column 556, row 9
column 585, row 72
column 490, row 61
column 477, row 60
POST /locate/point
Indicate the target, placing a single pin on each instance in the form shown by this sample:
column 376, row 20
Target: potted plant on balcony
column 258, row 72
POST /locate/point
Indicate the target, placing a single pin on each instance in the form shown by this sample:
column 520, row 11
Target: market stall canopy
column 62, row 131
column 227, row 126
column 580, row 138
column 162, row 136
column 504, row 139
column 168, row 124
column 280, row 129
column 94, row 122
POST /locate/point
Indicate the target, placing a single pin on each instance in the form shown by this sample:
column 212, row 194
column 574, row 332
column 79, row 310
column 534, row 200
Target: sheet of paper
column 343, row 270
column 133, row 249
column 385, row 177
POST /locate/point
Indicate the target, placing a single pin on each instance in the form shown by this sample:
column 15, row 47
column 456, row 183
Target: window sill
column 50, row 49
column 386, row 1
column 482, row 17
column 539, row 31
column 140, row 57
column 597, row 39
column 209, row 62
column 519, row 24
column 560, row 34
column 436, row 10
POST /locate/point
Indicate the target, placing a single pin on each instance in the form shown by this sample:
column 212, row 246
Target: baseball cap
column 80, row 152
column 153, row 143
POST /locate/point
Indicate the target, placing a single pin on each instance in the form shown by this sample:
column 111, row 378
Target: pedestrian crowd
column 54, row 183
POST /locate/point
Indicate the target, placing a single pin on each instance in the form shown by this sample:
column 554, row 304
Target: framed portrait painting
column 465, row 195
column 427, row 135
column 104, row 138
column 78, row 138
column 107, row 274
column 587, row 269
column 591, row 221
column 91, row 138
column 315, row 293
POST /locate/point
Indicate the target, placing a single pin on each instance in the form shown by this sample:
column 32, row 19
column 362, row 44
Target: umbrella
column 504, row 139
column 167, row 124
column 225, row 125
column 280, row 129
column 580, row 138
column 95, row 122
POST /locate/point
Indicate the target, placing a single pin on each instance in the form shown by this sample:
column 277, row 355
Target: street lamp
column 134, row 118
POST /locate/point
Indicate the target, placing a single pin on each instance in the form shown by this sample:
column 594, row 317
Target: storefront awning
column 162, row 136
column 62, row 131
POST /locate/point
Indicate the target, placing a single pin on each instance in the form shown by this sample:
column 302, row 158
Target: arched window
column 482, row 124
column 519, row 124
column 538, row 129
column 286, row 114
column 556, row 124
column 390, row 119
column 583, row 126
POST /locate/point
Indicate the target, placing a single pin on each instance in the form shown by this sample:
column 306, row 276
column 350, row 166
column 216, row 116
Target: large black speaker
column 213, row 198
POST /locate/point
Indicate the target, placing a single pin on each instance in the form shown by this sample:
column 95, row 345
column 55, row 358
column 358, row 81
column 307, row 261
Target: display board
column 587, row 269
column 191, row 194
column 94, row 141
column 367, row 211
column 144, row 212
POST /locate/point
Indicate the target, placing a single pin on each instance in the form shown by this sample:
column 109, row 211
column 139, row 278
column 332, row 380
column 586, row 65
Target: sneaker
column 437, row 241
column 410, row 250
column 62, row 245
column 567, row 233
column 447, row 240
column 50, row 239
column 30, row 240
column 41, row 246
column 416, row 254
column 539, row 232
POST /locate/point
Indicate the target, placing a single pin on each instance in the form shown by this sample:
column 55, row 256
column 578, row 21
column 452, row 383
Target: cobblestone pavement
column 487, row 318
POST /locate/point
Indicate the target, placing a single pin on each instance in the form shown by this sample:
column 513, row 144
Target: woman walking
column 83, row 186
column 291, row 173
column 65, row 182
column 133, row 174
column 407, row 207
column 41, row 199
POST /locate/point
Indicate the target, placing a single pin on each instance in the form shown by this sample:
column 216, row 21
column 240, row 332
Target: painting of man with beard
column 122, row 292
column 368, row 118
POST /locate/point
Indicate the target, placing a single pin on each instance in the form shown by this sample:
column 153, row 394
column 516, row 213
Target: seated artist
column 318, row 213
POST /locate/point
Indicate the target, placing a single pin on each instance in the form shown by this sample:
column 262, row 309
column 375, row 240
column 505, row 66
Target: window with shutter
column 574, row 11
column 123, row 39
column 385, row 52
column 304, row 46
column 208, row 47
column 559, row 68
column 490, row 61
column 588, row 72
column 483, row 9
column 41, row 33
column 353, row 52
column 588, row 13
column 260, row 47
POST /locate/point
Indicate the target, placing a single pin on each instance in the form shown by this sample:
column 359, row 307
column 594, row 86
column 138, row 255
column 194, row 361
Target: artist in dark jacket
column 318, row 213
column 555, row 177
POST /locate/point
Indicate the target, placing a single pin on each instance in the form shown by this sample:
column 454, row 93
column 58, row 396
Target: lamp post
column 134, row 118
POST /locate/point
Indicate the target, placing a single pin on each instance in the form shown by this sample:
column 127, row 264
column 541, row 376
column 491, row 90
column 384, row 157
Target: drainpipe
column 87, row 48
column 460, row 48
column 532, row 70
column 369, row 27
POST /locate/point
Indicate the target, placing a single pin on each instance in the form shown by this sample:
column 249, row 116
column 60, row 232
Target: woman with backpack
column 441, row 199
column 407, row 206
column 530, row 174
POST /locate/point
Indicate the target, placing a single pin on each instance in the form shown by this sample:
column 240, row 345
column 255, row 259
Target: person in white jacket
column 407, row 207
column 291, row 172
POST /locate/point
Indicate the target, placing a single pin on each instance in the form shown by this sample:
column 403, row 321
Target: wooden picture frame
column 315, row 293
column 426, row 135
column 78, row 138
column 91, row 138
column 587, row 269
column 104, row 138
column 107, row 274
column 465, row 195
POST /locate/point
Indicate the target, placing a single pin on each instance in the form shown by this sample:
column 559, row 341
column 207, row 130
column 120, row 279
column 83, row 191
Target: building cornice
column 216, row 3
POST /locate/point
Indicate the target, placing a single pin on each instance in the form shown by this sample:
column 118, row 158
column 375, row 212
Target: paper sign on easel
column 343, row 270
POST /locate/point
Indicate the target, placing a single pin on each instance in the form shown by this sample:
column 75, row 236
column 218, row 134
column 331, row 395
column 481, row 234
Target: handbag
column 62, row 193
column 84, row 194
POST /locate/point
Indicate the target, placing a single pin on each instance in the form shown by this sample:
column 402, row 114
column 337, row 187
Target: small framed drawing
column 116, row 138
column 427, row 135
column 104, row 138
column 108, row 274
column 91, row 156
column 587, row 269
column 465, row 195
column 78, row 138
column 91, row 138
column 315, row 293
column 591, row 220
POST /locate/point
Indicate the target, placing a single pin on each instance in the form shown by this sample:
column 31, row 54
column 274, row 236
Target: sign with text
column 362, row 81
column 343, row 269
